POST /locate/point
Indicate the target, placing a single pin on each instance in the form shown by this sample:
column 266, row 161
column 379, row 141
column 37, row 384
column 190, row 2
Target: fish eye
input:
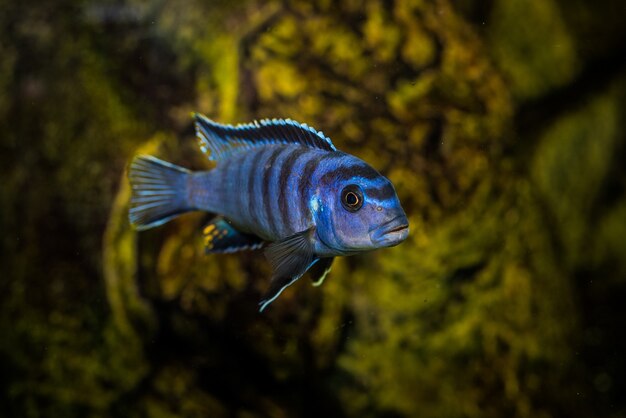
column 352, row 198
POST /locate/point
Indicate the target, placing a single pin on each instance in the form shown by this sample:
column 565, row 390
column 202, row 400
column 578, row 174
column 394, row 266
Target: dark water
column 500, row 123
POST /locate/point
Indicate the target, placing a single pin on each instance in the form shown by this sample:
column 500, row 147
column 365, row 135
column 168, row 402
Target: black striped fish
column 278, row 184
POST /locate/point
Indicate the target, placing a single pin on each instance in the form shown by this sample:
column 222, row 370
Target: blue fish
column 278, row 184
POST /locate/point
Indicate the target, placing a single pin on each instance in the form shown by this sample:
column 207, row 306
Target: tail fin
column 159, row 191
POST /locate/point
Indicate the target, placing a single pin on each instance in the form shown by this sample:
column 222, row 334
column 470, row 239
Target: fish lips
column 391, row 233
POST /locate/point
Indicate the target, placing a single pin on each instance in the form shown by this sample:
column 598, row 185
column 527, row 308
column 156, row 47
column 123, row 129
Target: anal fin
column 221, row 237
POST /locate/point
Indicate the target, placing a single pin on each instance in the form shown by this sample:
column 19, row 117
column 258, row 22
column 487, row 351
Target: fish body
column 261, row 190
column 277, row 183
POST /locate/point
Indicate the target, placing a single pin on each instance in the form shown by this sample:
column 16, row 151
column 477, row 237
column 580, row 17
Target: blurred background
column 500, row 122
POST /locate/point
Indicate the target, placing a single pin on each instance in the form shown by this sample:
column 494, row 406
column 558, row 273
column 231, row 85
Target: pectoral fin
column 290, row 259
column 320, row 270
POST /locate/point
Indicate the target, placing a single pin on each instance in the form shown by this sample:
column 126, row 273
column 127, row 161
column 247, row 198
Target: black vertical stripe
column 231, row 194
column 241, row 189
column 285, row 172
column 307, row 174
column 253, row 198
column 267, row 199
column 245, row 197
column 304, row 181
column 220, row 191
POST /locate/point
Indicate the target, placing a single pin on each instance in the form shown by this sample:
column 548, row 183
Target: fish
column 279, row 185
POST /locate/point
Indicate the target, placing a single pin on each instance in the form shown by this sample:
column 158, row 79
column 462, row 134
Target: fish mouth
column 391, row 233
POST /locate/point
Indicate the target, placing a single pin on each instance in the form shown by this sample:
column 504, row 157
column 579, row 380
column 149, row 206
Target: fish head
column 360, row 211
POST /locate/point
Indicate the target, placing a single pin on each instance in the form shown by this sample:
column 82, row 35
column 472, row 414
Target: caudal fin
column 159, row 191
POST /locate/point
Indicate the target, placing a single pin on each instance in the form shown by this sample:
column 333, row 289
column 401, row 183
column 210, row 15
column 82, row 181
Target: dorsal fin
column 218, row 141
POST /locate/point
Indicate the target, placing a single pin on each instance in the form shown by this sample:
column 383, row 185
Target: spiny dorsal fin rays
column 218, row 141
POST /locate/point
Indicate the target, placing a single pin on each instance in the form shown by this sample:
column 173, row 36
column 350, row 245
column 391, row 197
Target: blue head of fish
column 357, row 209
